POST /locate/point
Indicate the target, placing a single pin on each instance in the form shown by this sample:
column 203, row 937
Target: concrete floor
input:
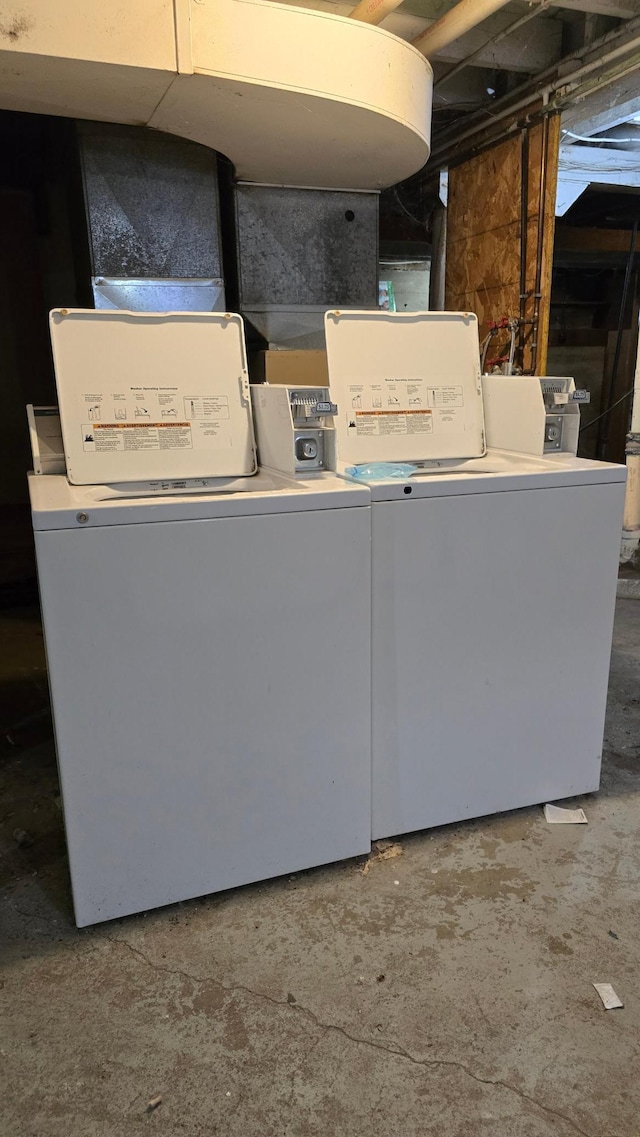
column 446, row 992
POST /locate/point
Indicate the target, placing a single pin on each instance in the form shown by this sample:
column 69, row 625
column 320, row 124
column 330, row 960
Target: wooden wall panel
column 483, row 235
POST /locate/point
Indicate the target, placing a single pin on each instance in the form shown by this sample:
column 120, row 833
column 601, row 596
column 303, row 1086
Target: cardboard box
column 293, row 368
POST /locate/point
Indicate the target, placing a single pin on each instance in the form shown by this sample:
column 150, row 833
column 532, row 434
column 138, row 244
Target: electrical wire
column 589, row 168
column 610, row 141
column 411, row 216
column 607, row 411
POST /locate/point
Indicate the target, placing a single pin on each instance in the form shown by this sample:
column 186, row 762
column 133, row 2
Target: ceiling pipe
column 535, row 92
column 440, row 154
column 374, row 11
column 460, row 19
column 469, row 59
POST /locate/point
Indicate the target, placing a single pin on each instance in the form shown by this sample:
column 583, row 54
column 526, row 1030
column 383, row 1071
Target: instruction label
column 404, row 406
column 206, row 406
column 150, row 417
column 446, row 397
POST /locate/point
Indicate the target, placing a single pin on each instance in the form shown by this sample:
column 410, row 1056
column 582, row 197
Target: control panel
column 534, row 414
column 559, row 403
column 294, row 427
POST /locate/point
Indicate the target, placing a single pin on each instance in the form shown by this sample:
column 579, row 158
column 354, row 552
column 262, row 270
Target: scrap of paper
column 609, row 998
column 557, row 815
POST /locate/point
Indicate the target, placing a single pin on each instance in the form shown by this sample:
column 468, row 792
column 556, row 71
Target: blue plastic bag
column 381, row 471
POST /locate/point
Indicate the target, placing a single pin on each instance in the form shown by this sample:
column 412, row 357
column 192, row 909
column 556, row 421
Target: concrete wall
column 410, row 285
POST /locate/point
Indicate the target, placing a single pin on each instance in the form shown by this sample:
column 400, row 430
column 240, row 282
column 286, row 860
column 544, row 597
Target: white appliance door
column 146, row 395
column 407, row 385
column 491, row 637
column 211, row 693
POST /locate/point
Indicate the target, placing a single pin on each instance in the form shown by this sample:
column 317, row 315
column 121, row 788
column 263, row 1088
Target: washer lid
column 407, row 385
column 147, row 395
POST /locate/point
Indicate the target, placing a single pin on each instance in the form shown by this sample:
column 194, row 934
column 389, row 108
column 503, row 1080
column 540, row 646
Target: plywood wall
column 483, row 235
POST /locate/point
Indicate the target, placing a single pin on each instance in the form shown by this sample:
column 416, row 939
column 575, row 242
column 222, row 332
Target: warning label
column 385, row 423
column 103, row 437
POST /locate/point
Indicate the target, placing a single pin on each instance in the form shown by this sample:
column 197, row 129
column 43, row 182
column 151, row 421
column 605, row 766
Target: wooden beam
column 373, row 11
column 620, row 9
column 532, row 49
column 623, row 9
column 431, row 10
column 464, row 17
column 581, row 166
column 483, row 235
column 547, row 209
column 573, row 239
column 609, row 166
column 604, row 109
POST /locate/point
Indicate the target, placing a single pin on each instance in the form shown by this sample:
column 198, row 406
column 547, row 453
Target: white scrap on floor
column 609, row 998
column 556, row 815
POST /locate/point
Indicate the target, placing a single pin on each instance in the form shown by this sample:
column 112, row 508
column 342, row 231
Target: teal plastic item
column 381, row 471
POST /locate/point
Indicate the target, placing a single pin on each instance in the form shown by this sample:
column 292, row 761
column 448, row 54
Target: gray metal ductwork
column 300, row 252
column 153, row 219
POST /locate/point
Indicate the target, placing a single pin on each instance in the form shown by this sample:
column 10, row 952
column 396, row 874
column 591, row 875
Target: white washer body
column 493, row 604
column 493, row 581
column 209, row 669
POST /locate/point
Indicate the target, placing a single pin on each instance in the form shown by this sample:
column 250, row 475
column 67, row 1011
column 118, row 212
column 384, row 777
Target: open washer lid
column 407, row 386
column 147, row 395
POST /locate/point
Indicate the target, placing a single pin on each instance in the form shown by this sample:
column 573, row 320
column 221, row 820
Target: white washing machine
column 207, row 632
column 493, row 581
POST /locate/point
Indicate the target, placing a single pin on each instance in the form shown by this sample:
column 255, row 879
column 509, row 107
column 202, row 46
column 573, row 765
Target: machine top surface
column 56, row 504
column 497, row 471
